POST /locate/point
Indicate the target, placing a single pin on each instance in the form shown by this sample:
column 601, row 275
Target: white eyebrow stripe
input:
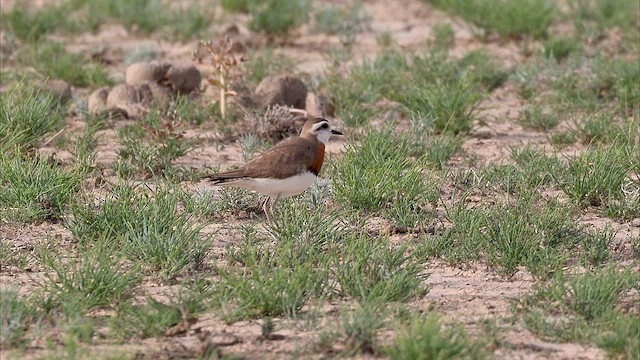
column 317, row 126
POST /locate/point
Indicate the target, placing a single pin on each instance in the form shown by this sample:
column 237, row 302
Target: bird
column 288, row 168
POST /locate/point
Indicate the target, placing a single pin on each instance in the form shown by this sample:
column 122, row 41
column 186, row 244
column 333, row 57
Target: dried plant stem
column 223, row 94
column 226, row 67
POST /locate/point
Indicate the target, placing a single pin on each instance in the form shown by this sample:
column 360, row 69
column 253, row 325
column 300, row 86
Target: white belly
column 279, row 187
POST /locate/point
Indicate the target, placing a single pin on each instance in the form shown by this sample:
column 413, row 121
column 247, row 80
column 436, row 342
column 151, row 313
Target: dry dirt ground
column 472, row 296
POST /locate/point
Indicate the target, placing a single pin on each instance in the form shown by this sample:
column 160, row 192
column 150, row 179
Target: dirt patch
column 470, row 296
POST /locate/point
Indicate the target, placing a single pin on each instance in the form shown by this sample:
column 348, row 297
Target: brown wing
column 292, row 156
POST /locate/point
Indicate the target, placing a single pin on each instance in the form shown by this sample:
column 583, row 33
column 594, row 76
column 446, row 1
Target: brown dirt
column 463, row 296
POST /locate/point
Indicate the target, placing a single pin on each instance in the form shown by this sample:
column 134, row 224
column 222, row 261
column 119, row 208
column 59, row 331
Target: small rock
column 284, row 90
column 234, row 30
column 97, row 101
column 117, row 113
column 123, row 94
column 145, row 72
column 240, row 37
column 145, row 95
column 244, row 96
column 161, row 94
column 183, row 78
column 129, row 111
column 319, row 105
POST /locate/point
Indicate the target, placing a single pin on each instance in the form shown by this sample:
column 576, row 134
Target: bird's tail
column 225, row 178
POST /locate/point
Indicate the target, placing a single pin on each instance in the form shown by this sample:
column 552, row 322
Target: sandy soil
column 467, row 296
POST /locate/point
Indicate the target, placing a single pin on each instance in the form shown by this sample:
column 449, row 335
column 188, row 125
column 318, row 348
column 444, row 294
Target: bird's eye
column 324, row 126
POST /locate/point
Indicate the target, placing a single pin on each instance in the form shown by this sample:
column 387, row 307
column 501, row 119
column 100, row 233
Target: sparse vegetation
column 33, row 189
column 28, row 24
column 483, row 201
column 596, row 177
column 369, row 271
column 443, row 35
column 353, row 94
column 31, row 24
column 589, row 305
column 278, row 17
column 16, row 316
column 267, row 62
column 593, row 18
column 535, row 118
column 27, row 117
column 148, row 227
column 97, row 277
column 54, row 62
column 365, row 185
column 334, row 19
column 508, row 18
column 424, row 337
column 149, row 148
column 427, row 84
column 560, row 48
column 360, row 327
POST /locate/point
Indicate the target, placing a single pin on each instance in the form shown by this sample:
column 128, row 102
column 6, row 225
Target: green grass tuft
column 33, row 189
column 98, row 277
column 189, row 23
column 443, row 35
column 53, row 61
column 359, row 328
column 446, row 91
column 261, row 280
column 296, row 242
column 337, row 19
column 377, row 172
column 144, row 16
column 424, row 337
column 507, row 18
column 529, row 233
column 149, row 148
column 27, row 117
column 266, row 62
column 429, row 84
column 278, row 17
column 147, row 225
column 264, row 290
column 236, row 5
column 535, row 118
column 32, row 25
column 16, row 315
column 559, row 48
column 592, row 17
column 597, row 175
column 585, row 308
column 369, row 270
column 353, row 93
column 154, row 317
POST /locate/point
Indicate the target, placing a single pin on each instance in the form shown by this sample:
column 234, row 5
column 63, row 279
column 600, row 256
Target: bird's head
column 319, row 128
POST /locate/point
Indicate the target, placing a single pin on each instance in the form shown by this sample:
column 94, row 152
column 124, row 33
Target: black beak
column 336, row 132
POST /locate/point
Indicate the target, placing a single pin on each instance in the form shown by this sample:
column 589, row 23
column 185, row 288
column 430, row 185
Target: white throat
column 323, row 136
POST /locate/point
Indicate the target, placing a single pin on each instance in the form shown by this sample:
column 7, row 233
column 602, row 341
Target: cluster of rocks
column 145, row 84
column 152, row 83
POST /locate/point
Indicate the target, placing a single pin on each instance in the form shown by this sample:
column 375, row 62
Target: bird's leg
column 273, row 204
column 266, row 209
